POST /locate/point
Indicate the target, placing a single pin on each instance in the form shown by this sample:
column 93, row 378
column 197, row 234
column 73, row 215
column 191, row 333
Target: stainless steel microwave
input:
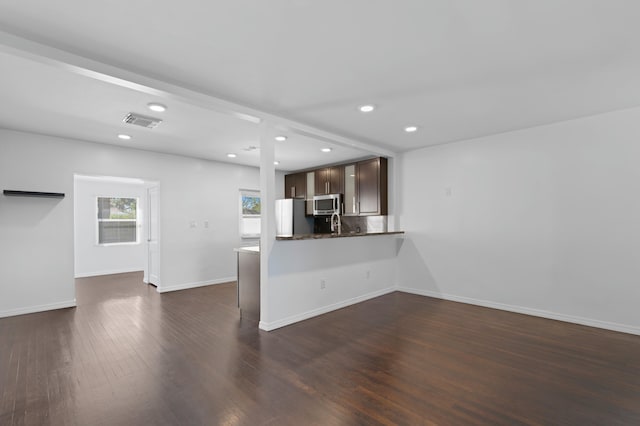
column 326, row 205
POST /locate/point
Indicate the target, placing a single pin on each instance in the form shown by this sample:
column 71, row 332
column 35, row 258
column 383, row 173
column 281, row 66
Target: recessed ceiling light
column 410, row 129
column 281, row 138
column 366, row 108
column 124, row 137
column 275, row 163
column 326, row 150
column 231, row 155
column 156, row 107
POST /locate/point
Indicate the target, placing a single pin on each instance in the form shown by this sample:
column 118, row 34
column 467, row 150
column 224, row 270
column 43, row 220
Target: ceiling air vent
column 141, row 120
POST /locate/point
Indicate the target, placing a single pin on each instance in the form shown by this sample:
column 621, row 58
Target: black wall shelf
column 11, row 193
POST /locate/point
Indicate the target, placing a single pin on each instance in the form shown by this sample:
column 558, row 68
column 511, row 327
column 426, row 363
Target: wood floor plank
column 128, row 356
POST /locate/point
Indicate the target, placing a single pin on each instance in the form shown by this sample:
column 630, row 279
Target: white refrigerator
column 291, row 219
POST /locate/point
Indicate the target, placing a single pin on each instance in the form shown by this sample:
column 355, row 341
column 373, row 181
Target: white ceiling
column 50, row 100
column 457, row 69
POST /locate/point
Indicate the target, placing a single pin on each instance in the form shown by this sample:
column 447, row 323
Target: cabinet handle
column 326, row 185
column 354, row 204
column 293, row 192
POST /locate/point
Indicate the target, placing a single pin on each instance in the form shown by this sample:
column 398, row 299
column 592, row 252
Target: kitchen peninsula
column 313, row 274
column 318, row 260
column 319, row 274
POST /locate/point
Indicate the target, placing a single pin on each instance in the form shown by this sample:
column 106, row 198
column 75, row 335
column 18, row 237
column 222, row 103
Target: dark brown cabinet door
column 372, row 186
column 321, row 182
column 335, row 176
column 289, row 186
column 301, row 185
column 295, row 185
column 329, row 180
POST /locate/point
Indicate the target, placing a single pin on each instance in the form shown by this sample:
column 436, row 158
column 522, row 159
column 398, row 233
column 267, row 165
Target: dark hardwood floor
column 130, row 356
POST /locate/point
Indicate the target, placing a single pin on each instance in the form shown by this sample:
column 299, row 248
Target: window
column 249, row 213
column 117, row 220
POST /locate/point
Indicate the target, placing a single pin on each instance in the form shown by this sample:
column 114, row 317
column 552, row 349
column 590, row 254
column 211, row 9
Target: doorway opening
column 116, row 227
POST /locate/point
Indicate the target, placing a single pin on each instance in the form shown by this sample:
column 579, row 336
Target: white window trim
column 241, row 216
column 136, row 220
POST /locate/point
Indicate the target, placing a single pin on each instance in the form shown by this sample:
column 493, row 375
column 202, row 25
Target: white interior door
column 153, row 236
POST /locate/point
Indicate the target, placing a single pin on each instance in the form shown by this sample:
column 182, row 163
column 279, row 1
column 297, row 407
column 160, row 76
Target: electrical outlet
column 323, row 284
column 367, row 274
column 206, row 223
column 448, row 191
column 193, row 224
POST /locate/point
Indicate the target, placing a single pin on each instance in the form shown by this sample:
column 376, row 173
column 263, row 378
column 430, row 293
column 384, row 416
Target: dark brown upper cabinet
column 295, row 185
column 372, row 189
column 364, row 185
column 329, row 180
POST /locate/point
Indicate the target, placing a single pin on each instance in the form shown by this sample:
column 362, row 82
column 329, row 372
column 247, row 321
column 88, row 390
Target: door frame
column 148, row 234
column 147, row 183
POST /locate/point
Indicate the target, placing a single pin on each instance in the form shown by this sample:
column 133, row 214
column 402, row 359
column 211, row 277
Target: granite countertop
column 343, row 235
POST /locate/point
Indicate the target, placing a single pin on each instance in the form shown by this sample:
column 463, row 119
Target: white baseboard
column 38, row 308
column 323, row 310
column 527, row 311
column 111, row 272
column 185, row 286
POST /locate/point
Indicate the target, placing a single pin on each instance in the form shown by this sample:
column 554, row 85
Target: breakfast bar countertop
column 248, row 249
column 335, row 235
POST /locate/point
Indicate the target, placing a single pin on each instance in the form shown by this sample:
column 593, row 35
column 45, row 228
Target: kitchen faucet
column 336, row 224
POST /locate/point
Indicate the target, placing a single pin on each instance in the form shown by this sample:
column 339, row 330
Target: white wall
column 36, row 235
column 92, row 259
column 297, row 267
column 279, row 183
column 544, row 221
